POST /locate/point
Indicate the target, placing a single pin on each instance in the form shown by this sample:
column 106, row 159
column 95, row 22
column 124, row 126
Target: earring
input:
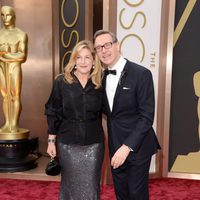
column 75, row 67
column 93, row 67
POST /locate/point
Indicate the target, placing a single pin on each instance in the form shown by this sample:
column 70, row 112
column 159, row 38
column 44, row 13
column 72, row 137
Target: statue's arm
column 21, row 53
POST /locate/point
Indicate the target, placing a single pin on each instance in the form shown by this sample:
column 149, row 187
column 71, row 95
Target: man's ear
column 118, row 46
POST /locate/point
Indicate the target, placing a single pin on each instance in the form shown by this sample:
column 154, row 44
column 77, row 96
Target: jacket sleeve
column 53, row 108
column 146, row 105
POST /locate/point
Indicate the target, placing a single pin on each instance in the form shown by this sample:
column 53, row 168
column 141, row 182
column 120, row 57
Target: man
column 13, row 51
column 129, row 106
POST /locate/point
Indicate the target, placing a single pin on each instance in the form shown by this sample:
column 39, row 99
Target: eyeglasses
column 107, row 45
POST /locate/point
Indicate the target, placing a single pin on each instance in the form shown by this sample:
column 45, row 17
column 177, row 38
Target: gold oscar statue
column 190, row 163
column 196, row 80
column 13, row 52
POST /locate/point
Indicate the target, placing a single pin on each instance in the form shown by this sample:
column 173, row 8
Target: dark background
column 186, row 61
column 70, row 11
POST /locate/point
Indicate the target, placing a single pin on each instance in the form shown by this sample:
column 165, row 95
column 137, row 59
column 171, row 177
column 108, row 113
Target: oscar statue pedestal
column 16, row 151
column 187, row 163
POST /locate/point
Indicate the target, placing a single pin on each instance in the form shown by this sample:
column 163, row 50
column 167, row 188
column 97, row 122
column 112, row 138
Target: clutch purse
column 53, row 168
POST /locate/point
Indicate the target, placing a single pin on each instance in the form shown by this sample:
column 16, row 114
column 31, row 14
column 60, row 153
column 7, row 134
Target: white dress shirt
column 112, row 80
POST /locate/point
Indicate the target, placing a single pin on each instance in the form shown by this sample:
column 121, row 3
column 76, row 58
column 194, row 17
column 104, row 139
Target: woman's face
column 84, row 61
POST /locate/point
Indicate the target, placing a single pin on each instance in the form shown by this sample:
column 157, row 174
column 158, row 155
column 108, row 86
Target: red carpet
column 174, row 189
column 160, row 189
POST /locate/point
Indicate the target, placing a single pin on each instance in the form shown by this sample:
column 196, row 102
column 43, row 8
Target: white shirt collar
column 119, row 66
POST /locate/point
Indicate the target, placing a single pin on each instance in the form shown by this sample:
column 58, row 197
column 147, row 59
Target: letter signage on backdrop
column 138, row 30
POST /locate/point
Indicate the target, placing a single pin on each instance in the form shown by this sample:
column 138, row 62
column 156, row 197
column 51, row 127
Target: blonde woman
column 74, row 121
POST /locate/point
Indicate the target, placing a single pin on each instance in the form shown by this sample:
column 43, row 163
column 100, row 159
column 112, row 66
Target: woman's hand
column 51, row 149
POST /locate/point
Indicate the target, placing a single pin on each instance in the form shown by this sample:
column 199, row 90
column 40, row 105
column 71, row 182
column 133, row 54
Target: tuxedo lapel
column 119, row 86
column 106, row 103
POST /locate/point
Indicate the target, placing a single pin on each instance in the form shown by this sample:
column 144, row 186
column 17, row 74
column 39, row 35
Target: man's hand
column 120, row 156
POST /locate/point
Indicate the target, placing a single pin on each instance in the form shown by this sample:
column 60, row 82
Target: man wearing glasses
column 129, row 106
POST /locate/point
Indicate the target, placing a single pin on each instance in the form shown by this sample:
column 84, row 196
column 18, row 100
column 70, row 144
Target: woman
column 74, row 120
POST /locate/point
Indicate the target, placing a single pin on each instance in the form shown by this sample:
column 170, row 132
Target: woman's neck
column 83, row 78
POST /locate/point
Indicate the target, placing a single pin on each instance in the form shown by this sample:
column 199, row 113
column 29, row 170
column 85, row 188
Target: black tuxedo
column 130, row 122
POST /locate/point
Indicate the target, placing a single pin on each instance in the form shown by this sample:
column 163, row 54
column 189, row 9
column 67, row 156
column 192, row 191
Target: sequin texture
column 80, row 171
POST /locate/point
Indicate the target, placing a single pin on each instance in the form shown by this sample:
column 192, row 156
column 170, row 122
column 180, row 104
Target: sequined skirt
column 80, row 171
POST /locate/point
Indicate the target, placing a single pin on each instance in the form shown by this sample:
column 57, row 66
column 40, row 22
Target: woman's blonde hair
column 96, row 72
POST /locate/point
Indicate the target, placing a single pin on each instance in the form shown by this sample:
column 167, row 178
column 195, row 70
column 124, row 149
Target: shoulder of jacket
column 136, row 67
column 59, row 76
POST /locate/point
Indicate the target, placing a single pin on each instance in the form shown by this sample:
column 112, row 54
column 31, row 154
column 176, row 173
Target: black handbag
column 53, row 168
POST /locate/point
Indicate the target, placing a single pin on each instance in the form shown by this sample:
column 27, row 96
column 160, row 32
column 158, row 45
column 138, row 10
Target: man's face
column 7, row 16
column 107, row 51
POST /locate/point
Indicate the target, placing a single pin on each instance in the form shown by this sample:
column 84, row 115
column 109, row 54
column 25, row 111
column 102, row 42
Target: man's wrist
column 129, row 148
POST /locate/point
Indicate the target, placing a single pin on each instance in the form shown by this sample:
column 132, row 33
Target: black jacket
column 74, row 113
column 131, row 119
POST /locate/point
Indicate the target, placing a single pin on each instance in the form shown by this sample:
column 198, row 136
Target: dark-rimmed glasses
column 107, row 45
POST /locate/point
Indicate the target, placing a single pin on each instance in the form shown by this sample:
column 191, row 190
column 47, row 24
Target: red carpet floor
column 160, row 189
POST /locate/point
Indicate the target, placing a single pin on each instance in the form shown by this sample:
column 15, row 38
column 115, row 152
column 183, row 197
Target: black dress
column 74, row 116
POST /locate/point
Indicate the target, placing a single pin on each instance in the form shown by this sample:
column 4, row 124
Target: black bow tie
column 107, row 72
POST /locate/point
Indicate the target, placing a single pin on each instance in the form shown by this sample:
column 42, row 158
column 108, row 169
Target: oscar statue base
column 18, row 164
column 20, row 134
column 17, row 155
